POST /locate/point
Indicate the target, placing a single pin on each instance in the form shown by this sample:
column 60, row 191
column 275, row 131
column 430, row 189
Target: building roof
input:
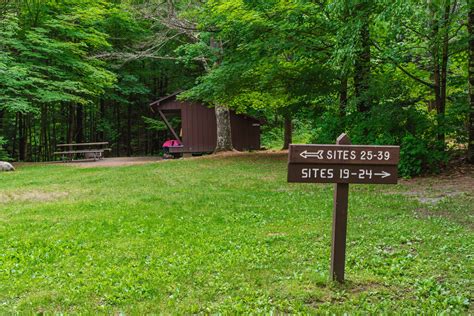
column 157, row 102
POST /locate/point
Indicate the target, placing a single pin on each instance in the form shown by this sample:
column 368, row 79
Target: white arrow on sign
column 383, row 174
column 307, row 154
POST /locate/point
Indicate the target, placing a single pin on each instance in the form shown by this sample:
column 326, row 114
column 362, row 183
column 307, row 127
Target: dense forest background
column 386, row 72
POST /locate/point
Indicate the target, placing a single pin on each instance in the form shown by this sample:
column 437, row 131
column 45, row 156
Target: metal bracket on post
column 339, row 223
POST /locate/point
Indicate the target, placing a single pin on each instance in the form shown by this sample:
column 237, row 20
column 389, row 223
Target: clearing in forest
column 228, row 234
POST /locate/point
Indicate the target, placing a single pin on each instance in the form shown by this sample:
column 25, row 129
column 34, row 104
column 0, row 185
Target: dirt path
column 115, row 162
column 430, row 189
column 107, row 162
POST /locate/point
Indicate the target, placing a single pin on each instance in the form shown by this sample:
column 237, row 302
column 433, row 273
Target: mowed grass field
column 223, row 235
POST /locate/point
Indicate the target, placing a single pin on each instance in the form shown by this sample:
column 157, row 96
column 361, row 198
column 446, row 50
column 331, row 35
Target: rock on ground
column 5, row 166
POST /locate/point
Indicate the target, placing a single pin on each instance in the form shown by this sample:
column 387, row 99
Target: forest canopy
column 385, row 72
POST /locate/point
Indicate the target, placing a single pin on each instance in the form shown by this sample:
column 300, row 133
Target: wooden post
column 342, row 164
column 169, row 125
column 339, row 224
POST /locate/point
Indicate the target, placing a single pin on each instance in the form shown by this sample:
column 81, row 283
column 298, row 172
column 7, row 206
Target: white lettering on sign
column 362, row 174
column 317, row 173
column 328, row 173
column 374, row 155
column 342, row 154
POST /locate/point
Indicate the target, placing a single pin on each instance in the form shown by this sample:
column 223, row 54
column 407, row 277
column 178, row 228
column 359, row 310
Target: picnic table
column 88, row 151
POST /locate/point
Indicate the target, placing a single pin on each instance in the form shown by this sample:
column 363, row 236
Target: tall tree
column 470, row 155
column 192, row 21
column 362, row 14
column 422, row 38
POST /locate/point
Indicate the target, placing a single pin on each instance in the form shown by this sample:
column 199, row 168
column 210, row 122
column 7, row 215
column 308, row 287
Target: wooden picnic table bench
column 83, row 144
column 87, row 153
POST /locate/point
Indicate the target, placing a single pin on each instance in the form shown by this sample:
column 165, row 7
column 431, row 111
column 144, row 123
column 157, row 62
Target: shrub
column 409, row 127
column 419, row 156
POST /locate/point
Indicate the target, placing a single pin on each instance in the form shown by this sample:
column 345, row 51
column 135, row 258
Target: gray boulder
column 6, row 166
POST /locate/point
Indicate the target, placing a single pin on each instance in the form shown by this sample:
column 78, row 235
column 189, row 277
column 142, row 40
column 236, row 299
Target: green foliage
column 410, row 127
column 270, row 59
column 420, row 156
column 158, row 125
column 3, row 154
column 272, row 134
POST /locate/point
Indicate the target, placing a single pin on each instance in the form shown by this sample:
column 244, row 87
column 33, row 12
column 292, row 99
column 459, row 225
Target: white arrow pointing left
column 308, row 154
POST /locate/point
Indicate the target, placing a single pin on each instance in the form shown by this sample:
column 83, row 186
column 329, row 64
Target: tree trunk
column 362, row 66
column 437, row 90
column 21, row 137
column 71, row 129
column 119, row 131
column 100, row 134
column 79, row 124
column 53, row 140
column 343, row 97
column 444, row 74
column 224, row 130
column 129, row 130
column 43, row 150
column 2, row 113
column 32, row 151
column 15, row 137
column 288, row 132
column 224, row 135
column 470, row 151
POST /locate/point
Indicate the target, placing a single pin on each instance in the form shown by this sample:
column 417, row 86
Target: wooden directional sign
column 342, row 164
column 344, row 154
column 309, row 173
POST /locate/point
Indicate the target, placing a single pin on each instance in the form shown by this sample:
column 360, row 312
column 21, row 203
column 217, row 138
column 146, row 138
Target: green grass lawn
column 226, row 235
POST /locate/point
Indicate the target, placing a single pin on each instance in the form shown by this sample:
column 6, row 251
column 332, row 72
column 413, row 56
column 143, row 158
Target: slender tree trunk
column 91, row 124
column 437, row 66
column 288, row 139
column 100, row 134
column 32, row 153
column 21, row 137
column 362, row 66
column 224, row 134
column 43, row 147
column 470, row 151
column 2, row 113
column 53, row 140
column 437, row 86
column 129, row 130
column 79, row 124
column 444, row 74
column 119, row 132
column 49, row 152
column 15, row 137
column 71, row 123
column 343, row 97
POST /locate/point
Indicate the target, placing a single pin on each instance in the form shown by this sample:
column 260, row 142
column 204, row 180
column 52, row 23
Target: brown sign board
column 342, row 164
column 344, row 154
column 313, row 173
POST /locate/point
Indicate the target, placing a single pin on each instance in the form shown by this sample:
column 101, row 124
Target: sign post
column 339, row 224
column 342, row 164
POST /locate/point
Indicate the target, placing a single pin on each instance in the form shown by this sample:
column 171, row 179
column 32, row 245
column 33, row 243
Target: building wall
column 199, row 127
column 245, row 132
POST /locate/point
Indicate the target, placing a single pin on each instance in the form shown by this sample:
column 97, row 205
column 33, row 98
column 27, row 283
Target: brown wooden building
column 197, row 130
